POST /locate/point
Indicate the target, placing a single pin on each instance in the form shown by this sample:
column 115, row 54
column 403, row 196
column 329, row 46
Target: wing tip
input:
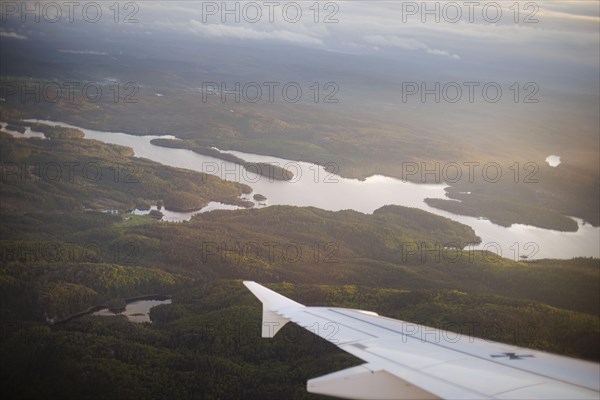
column 268, row 297
column 272, row 320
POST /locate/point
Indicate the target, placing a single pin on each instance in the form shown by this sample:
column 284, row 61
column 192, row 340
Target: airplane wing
column 410, row 361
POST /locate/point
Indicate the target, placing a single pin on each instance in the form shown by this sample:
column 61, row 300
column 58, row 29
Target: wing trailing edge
column 363, row 382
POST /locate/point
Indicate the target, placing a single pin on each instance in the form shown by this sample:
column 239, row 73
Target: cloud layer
column 12, row 35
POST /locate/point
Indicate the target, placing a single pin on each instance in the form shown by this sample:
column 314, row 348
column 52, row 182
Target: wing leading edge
column 410, row 361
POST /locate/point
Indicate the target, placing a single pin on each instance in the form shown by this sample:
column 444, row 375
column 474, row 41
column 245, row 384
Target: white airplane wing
column 410, row 361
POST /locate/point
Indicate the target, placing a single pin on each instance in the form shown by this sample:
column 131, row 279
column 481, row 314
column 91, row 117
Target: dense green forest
column 59, row 255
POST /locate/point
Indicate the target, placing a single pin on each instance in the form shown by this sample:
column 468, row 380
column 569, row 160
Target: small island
column 16, row 128
column 259, row 197
column 117, row 306
column 155, row 214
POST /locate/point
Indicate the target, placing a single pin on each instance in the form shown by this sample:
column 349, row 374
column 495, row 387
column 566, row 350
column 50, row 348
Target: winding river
column 314, row 186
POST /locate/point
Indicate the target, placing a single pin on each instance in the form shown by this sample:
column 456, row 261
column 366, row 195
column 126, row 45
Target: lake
column 313, row 186
column 136, row 311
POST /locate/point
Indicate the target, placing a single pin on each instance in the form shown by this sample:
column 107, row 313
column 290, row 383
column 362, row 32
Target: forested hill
column 71, row 173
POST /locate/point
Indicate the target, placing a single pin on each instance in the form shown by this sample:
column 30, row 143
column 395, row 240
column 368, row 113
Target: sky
column 565, row 29
column 560, row 38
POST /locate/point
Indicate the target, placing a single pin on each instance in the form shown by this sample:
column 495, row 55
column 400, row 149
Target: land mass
column 69, row 173
column 504, row 213
column 264, row 169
